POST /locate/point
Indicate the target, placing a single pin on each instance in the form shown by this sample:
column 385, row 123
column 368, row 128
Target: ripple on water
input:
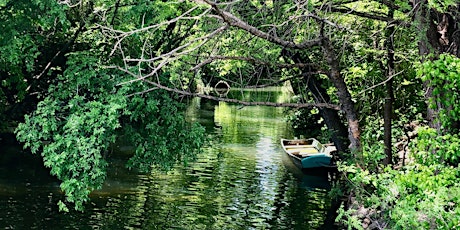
column 240, row 182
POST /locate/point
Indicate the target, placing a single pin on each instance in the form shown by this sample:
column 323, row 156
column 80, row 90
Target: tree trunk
column 427, row 28
column 442, row 37
column 331, row 117
column 388, row 107
column 348, row 106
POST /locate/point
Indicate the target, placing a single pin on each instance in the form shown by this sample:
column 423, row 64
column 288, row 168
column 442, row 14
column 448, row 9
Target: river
column 242, row 180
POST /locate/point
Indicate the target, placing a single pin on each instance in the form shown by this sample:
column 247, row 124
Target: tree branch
column 389, row 4
column 271, row 84
column 175, row 52
column 381, row 83
column 251, row 60
column 347, row 10
column 247, row 103
column 121, row 35
column 232, row 20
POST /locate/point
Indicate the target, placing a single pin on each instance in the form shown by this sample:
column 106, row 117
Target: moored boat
column 308, row 153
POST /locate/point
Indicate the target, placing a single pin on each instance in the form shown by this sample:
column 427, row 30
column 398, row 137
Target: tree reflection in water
column 242, row 181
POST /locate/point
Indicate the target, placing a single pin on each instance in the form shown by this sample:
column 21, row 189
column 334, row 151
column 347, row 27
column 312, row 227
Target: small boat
column 308, row 153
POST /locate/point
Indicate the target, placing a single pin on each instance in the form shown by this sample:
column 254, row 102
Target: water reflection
column 242, row 181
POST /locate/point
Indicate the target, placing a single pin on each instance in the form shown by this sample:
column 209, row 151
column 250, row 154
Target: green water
column 242, row 181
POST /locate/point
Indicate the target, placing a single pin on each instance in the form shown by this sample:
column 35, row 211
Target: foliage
column 74, row 126
column 441, row 5
column 442, row 148
column 25, row 33
column 443, row 75
column 89, row 106
column 418, row 197
column 424, row 194
column 59, row 56
column 306, row 121
column 161, row 139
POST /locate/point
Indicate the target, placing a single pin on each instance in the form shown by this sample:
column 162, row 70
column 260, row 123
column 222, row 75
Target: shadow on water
column 242, row 180
column 19, row 170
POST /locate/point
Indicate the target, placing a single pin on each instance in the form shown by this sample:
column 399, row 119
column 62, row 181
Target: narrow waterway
column 243, row 180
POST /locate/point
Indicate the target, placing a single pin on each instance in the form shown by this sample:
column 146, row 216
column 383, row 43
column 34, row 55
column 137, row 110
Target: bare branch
column 271, row 84
column 122, row 34
column 381, row 83
column 69, row 3
column 319, row 19
column 251, row 60
column 347, row 10
column 232, row 20
column 175, row 53
column 247, row 103
column 171, row 56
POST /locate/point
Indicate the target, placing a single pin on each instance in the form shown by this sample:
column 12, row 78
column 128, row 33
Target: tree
column 86, row 106
column 439, row 49
column 236, row 19
column 30, row 44
column 437, row 23
column 107, row 68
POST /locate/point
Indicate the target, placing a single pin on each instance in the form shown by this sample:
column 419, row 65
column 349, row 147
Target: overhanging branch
column 247, row 103
column 232, row 20
column 278, row 82
column 346, row 10
column 251, row 60
column 389, row 4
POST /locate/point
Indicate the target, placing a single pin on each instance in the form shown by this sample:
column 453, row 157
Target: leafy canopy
column 88, row 106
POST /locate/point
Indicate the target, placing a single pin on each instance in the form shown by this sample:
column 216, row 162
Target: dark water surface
column 243, row 181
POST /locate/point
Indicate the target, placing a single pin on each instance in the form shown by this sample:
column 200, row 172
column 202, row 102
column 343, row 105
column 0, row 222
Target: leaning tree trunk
column 331, row 117
column 348, row 106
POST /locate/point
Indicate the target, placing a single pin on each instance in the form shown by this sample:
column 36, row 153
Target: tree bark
column 347, row 104
column 331, row 117
column 424, row 46
column 388, row 107
column 442, row 37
